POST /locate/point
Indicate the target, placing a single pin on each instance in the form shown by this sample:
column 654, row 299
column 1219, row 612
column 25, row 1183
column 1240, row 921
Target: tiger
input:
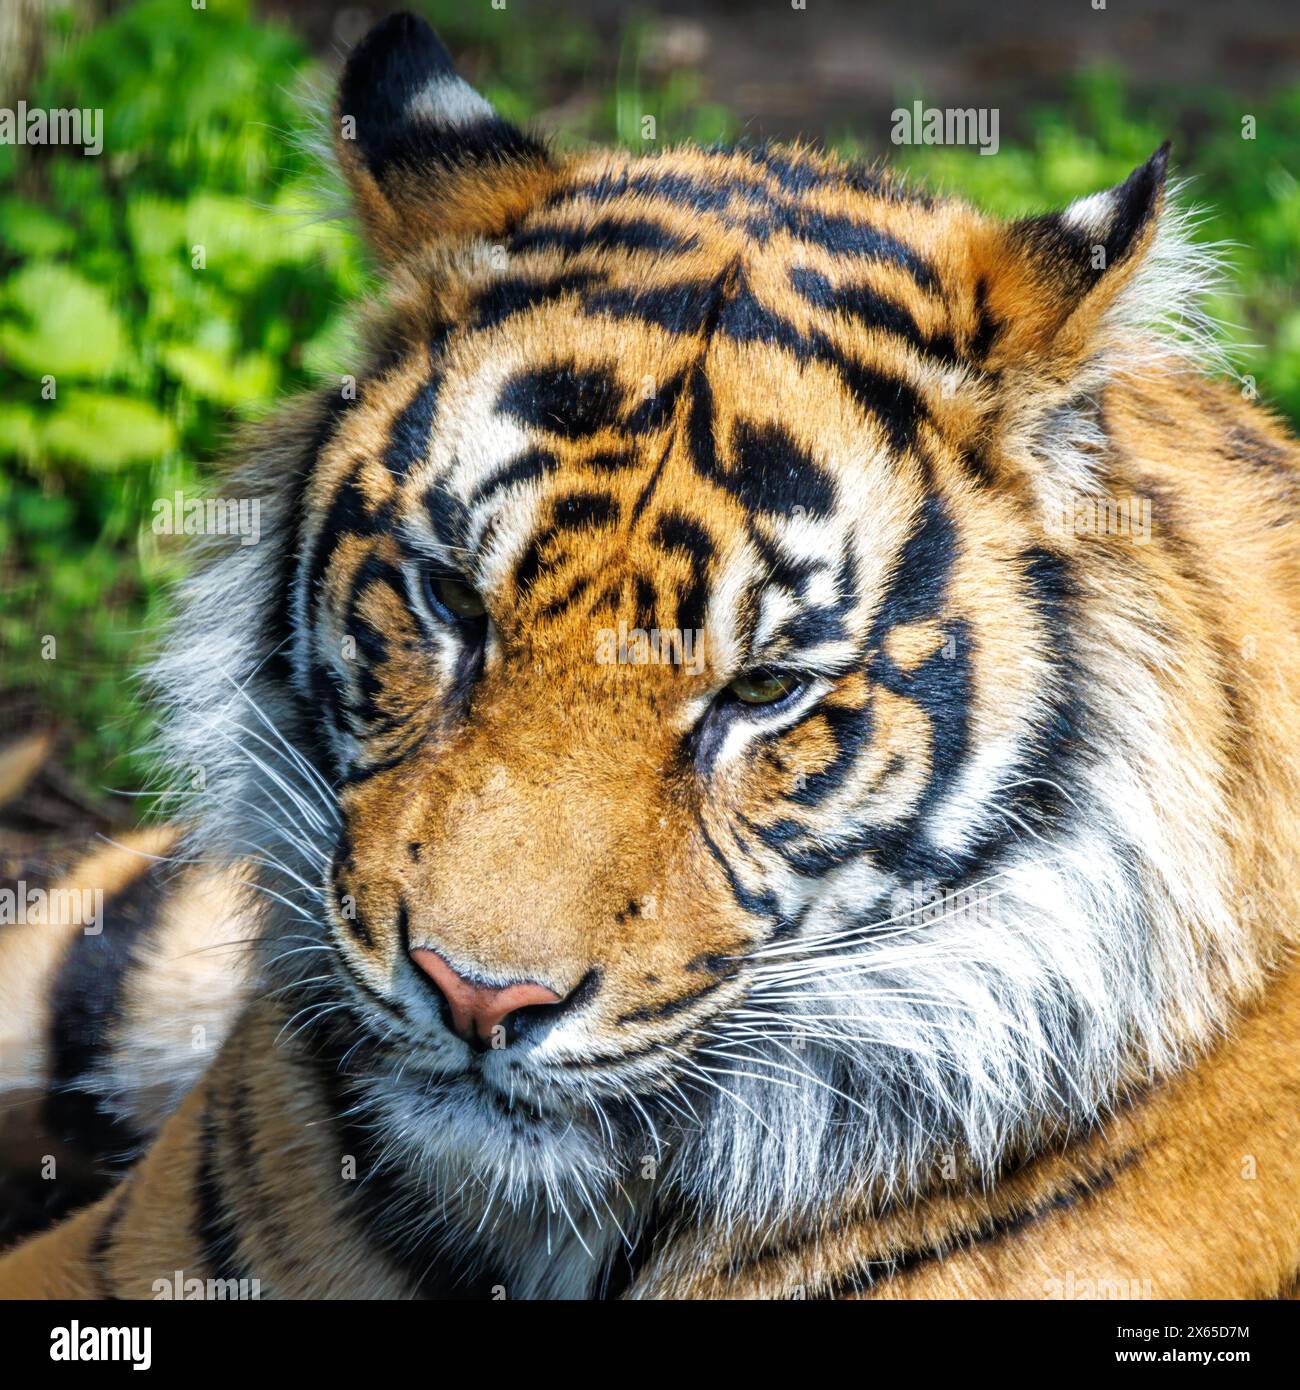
column 753, row 758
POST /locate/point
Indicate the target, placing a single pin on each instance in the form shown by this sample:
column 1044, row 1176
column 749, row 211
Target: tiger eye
column 762, row 687
column 458, row 597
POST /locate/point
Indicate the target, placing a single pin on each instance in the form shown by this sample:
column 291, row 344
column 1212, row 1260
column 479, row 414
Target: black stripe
column 680, row 534
column 1261, row 454
column 792, row 174
column 682, row 308
column 771, row 473
column 516, row 294
column 657, row 409
column 607, row 234
column 567, row 400
column 890, row 399
column 940, row 685
column 531, row 564
column 872, row 309
column 844, row 236
column 216, row 1223
column 557, row 607
column 527, row 467
column 851, row 730
column 372, row 647
column 408, row 440
column 350, row 513
column 862, row 1276
column 576, row 511
column 726, row 187
column 811, row 627
column 762, row 904
column 647, row 601
column 693, row 603
column 919, row 581
column 610, row 461
column 802, row 174
column 669, row 1008
column 787, row 571
column 87, row 997
column 987, row 327
column 609, row 597
column 1038, row 801
column 651, row 484
column 449, row 517
column 683, row 190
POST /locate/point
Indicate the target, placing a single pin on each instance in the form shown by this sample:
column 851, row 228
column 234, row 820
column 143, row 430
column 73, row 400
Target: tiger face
column 713, row 767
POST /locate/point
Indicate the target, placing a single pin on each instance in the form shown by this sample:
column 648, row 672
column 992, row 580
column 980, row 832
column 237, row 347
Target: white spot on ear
column 1091, row 214
column 448, row 101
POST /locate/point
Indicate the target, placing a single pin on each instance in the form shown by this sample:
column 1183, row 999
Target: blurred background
column 124, row 365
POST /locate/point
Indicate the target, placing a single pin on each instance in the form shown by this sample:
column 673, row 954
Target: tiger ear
column 1050, row 281
column 426, row 157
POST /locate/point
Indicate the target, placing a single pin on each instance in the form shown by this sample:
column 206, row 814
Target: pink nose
column 477, row 1009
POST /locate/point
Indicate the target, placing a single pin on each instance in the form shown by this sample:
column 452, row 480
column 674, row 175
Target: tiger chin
column 757, row 748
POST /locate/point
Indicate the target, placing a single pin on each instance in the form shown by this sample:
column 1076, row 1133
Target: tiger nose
column 477, row 1009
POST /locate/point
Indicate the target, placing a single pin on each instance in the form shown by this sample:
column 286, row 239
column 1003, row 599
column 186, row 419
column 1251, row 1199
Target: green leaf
column 42, row 515
column 65, row 326
column 108, row 432
column 19, row 434
column 246, row 381
column 28, row 230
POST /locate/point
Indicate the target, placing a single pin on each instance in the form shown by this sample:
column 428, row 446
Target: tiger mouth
column 472, row 1071
column 513, row 1108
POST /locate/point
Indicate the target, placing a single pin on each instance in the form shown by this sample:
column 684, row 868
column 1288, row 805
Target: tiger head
column 683, row 718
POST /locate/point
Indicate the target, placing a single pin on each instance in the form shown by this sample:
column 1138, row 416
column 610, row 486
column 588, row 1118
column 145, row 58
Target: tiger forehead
column 567, row 462
column 696, row 354
column 692, row 197
column 658, row 295
column 683, row 243
column 642, row 295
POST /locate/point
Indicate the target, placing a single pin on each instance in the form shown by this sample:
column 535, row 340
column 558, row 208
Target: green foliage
column 1248, row 197
column 153, row 297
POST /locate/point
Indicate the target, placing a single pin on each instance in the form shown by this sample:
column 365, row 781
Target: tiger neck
column 1212, row 1154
